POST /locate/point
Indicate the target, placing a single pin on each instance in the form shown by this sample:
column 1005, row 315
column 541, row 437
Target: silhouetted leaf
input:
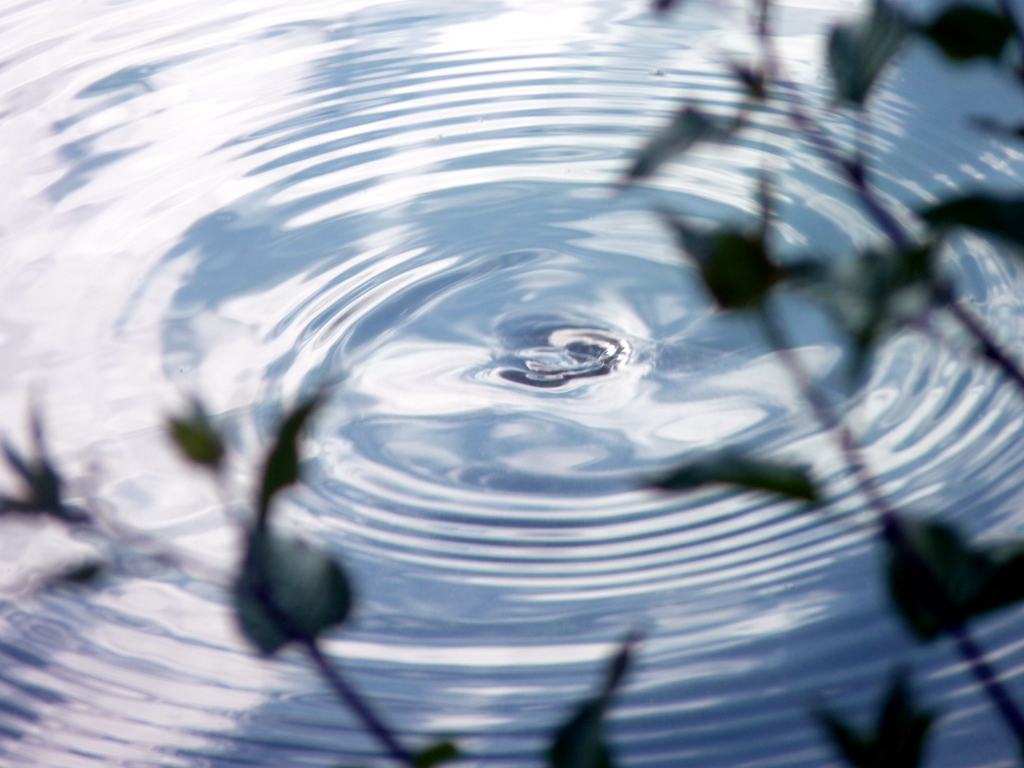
column 859, row 50
column 442, row 752
column 661, row 6
column 967, row 31
column 752, row 79
column 85, row 574
column 738, row 273
column 196, row 436
column 735, row 267
column 871, row 296
column 784, row 479
column 580, row 742
column 942, row 580
column 994, row 126
column 932, row 581
column 288, row 590
column 43, row 484
column 898, row 737
column 1001, row 217
column 689, row 126
column 282, row 465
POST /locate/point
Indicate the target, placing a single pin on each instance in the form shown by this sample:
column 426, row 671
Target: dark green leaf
column 689, row 126
column 870, row 297
column 738, row 274
column 661, row 6
column 966, row 31
column 196, row 437
column 853, row 747
column 733, row 469
column 898, row 737
column 442, row 752
column 735, row 267
column 936, row 580
column 752, row 78
column 288, row 590
column 1001, row 217
column 580, row 743
column 858, row 51
column 86, row 573
column 1005, row 583
column 994, row 126
column 282, row 466
column 43, row 484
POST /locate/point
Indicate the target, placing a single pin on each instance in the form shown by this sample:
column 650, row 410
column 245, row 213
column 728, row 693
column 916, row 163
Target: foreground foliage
column 289, row 593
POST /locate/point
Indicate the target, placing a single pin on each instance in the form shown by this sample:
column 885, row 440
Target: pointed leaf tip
column 687, row 127
column 580, row 742
column 196, row 436
column 858, row 51
column 898, row 737
column 966, row 32
column 732, row 469
column 442, row 752
column 1003, row 217
column 281, row 468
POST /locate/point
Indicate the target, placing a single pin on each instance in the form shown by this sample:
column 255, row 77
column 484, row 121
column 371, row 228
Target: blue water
column 418, row 199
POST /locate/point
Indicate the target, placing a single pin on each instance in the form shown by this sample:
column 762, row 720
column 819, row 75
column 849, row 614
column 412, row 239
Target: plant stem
column 344, row 691
column 356, row 703
column 856, row 174
column 989, row 679
column 990, row 349
column 892, row 530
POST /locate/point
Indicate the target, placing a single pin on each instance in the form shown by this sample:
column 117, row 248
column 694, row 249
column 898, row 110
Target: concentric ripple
column 417, row 202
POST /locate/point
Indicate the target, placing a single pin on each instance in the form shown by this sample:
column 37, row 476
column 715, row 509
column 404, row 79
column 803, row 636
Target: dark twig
column 855, row 172
column 892, row 531
column 333, row 677
column 990, row 349
column 356, row 703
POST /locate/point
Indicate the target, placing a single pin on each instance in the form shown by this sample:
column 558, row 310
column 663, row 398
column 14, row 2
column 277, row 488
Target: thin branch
column 856, row 174
column 990, row 348
column 356, row 703
column 331, row 676
column 892, row 530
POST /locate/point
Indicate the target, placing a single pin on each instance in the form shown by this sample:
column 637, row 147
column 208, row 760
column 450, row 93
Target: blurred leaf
column 738, row 274
column 735, row 267
column 661, row 6
column 442, row 752
column 858, row 51
column 994, row 126
column 282, row 466
column 752, row 79
column 689, row 126
column 1001, row 217
column 784, row 479
column 898, row 737
column 932, row 582
column 43, row 484
column 871, row 296
column 196, row 436
column 966, row 31
column 288, row 590
column 942, row 580
column 580, row 743
column 86, row 573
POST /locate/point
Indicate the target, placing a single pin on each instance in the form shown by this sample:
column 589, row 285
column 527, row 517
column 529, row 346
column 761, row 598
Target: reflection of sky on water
column 243, row 197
